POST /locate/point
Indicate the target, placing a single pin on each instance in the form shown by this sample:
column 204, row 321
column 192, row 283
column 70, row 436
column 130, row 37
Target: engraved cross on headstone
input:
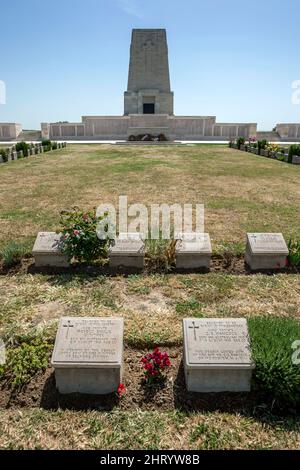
column 68, row 326
column 195, row 328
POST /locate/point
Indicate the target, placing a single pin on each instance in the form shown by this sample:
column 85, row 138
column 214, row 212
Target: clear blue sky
column 61, row 59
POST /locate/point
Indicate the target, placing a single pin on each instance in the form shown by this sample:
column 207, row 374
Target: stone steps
column 30, row 136
column 269, row 136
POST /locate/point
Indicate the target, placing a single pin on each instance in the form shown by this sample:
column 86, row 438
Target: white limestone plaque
column 217, row 355
column 193, row 251
column 266, row 251
column 88, row 354
column 127, row 252
column 47, row 250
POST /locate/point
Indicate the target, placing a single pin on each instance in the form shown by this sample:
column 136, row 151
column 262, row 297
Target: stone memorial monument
column 148, row 104
column 148, row 90
column 266, row 251
column 88, row 355
column 47, row 251
column 217, row 356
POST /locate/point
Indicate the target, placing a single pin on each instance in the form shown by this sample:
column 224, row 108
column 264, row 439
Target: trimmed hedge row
column 24, row 150
column 263, row 148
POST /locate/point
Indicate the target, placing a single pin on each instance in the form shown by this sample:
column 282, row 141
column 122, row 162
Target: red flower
column 155, row 363
column 121, row 390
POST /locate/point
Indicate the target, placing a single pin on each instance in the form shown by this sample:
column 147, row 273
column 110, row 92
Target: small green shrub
column 160, row 253
column 54, row 146
column 80, row 240
column 240, row 141
column 22, row 146
column 24, row 361
column 262, row 144
column 294, row 255
column 275, row 374
column 4, row 154
column 293, row 150
column 12, row 254
column 46, row 143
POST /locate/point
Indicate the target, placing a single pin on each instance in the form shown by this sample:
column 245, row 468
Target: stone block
column 47, row 251
column 127, row 253
column 266, row 251
column 88, row 355
column 217, row 356
column 193, row 251
column 296, row 159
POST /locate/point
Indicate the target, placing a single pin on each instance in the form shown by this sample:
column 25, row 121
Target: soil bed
column 234, row 265
column 168, row 396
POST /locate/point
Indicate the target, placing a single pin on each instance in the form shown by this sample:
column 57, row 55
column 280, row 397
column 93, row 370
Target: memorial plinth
column 217, row 356
column 88, row 355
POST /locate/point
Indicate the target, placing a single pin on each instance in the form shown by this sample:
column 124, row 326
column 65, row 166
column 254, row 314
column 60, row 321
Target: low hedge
column 294, row 150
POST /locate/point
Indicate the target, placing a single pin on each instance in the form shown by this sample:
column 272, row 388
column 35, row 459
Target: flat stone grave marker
column 217, row 356
column 128, row 253
column 266, row 251
column 296, row 160
column 193, row 251
column 47, row 250
column 88, row 355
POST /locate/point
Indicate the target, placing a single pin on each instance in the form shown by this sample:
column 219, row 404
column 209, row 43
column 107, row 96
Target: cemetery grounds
column 242, row 193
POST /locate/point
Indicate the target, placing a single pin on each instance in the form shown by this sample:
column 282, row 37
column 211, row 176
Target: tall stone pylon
column 148, row 90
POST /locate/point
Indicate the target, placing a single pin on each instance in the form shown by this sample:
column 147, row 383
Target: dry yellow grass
column 152, row 306
column 39, row 429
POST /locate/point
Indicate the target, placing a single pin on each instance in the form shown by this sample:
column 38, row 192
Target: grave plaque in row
column 193, row 251
column 88, row 355
column 217, row 356
column 266, row 251
column 127, row 253
column 47, row 251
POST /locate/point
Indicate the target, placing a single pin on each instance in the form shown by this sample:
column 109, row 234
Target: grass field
column 241, row 192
